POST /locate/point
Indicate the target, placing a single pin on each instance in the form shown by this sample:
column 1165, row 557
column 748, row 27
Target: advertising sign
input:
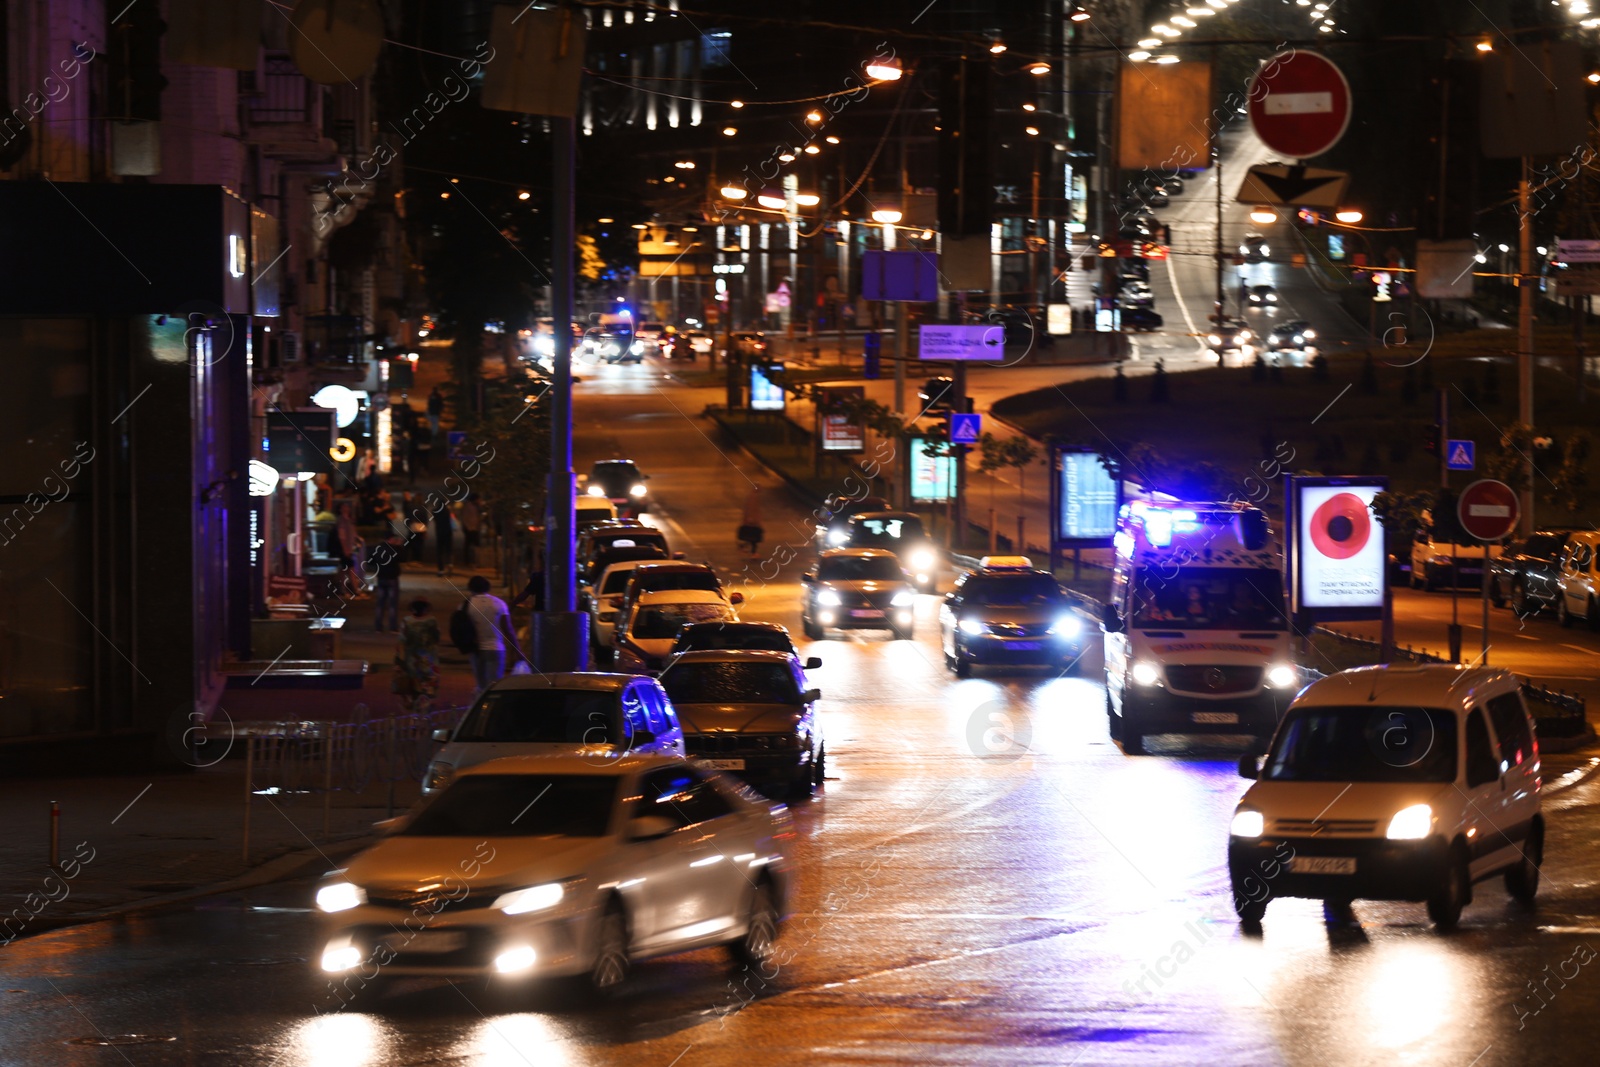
column 933, row 478
column 838, row 435
column 1058, row 319
column 765, row 393
column 1088, row 501
column 1339, row 558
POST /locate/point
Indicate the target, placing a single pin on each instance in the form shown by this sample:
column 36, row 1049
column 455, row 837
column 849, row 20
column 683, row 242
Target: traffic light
column 966, row 169
column 1431, row 442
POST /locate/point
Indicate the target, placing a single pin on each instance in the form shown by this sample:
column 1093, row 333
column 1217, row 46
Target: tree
column 1019, row 452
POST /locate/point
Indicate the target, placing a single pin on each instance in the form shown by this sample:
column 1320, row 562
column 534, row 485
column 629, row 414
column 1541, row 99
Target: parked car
column 593, row 510
column 1579, row 583
column 583, row 713
column 601, row 538
column 752, row 714
column 604, row 602
column 536, row 867
column 644, row 640
column 1393, row 783
column 660, row 576
column 858, row 588
column 1008, row 612
column 1528, row 573
column 738, row 636
column 1437, row 563
column 900, row 532
column 1136, row 295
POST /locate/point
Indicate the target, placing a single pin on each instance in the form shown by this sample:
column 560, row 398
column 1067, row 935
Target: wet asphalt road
column 985, row 879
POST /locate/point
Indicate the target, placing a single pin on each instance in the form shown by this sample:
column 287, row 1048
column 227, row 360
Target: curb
column 278, row 869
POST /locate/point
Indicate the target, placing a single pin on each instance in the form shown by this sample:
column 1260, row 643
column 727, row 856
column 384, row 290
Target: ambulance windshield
column 1209, row 598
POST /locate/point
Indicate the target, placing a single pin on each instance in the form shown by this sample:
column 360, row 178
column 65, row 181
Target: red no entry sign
column 1299, row 104
column 1488, row 509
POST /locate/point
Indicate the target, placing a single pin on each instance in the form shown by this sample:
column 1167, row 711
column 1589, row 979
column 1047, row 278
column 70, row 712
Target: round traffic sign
column 1299, row 104
column 1488, row 509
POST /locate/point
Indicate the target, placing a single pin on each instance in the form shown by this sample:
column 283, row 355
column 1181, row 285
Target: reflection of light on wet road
column 342, row 1039
column 1408, row 995
column 515, row 1041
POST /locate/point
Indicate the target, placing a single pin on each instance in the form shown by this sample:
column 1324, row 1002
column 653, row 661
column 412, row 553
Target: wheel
column 610, row 967
column 1250, row 912
column 802, row 785
column 819, row 768
column 1522, row 881
column 1591, row 615
column 963, row 668
column 1113, row 721
column 1519, row 599
column 759, row 942
column 1497, row 595
column 1430, row 583
column 1444, row 907
column 1563, row 616
column 1132, row 740
column 812, row 630
column 1414, row 581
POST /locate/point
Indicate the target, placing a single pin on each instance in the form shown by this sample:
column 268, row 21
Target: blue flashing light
column 1124, row 544
column 1158, row 528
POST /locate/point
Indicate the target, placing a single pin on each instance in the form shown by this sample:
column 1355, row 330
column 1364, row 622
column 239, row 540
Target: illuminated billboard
column 1338, row 556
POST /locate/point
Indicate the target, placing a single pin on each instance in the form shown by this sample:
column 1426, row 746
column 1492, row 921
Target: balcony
column 283, row 112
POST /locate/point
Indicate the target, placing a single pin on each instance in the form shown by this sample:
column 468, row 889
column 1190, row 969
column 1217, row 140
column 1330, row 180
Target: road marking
column 1580, row 648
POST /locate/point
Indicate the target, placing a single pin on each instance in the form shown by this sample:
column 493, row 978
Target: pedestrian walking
column 435, row 410
column 387, row 557
column 444, row 538
column 496, row 638
column 471, row 524
column 416, row 659
column 750, row 529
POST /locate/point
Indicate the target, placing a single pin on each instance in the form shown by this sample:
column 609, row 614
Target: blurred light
column 736, row 103
column 787, row 157
column 1031, row 131
column 1145, row 673
column 1542, row 250
column 1247, row 823
column 997, row 48
column 1204, row 12
column 772, row 200
column 455, row 181
column 1040, row 67
column 641, row 225
column 925, row 235
column 1593, row 78
column 813, row 116
column 1348, row 214
column 812, row 149
column 1079, row 15
column 831, row 140
column 444, row 196
column 524, row 195
column 1150, row 42
column 1481, row 258
column 1186, row 23
column 1166, row 60
column 684, row 164
column 730, row 131
column 886, row 215
column 734, row 192
column 1486, row 46
column 604, row 221
column 341, row 896
column 1139, row 56
column 342, row 958
column 1029, row 107
column 1263, row 216
column 807, row 199
column 1505, row 248
column 1164, row 30
column 515, row 960
column 885, row 71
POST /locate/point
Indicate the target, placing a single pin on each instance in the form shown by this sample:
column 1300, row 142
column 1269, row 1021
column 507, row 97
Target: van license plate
column 866, row 613
column 1214, row 716
column 725, row 764
column 1323, row 864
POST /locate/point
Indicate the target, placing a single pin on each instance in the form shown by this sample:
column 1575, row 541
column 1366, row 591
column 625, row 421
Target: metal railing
column 297, row 758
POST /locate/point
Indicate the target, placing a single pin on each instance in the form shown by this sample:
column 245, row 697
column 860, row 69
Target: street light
column 1079, row 15
column 811, row 150
column 1040, row 67
column 1348, row 214
column 1138, row 57
column 886, row 215
column 736, row 103
column 1263, row 216
column 729, row 131
column 831, row 139
column 997, row 48
column 813, row 116
column 807, row 199
column 524, row 195
column 886, row 70
column 1166, row 60
column 734, row 192
column 773, row 200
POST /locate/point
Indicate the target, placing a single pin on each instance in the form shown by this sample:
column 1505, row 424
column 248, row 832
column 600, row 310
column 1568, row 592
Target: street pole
column 1525, row 336
column 1217, row 317
column 958, row 497
column 560, row 632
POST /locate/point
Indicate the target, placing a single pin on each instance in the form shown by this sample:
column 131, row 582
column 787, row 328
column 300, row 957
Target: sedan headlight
column 340, row 896
column 1272, row 298
column 534, row 898
column 1067, row 626
column 904, row 599
column 829, row 599
column 638, row 490
column 1214, row 339
column 1283, row 676
column 838, row 537
column 1266, row 251
column 923, row 559
column 1247, row 823
column 1410, row 824
column 636, row 349
column 1308, row 335
column 972, row 627
column 596, row 489
column 1145, row 674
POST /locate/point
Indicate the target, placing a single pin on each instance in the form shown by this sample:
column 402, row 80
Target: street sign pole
column 1525, row 336
column 959, row 462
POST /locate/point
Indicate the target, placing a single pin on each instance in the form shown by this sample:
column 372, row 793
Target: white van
column 1197, row 639
column 589, row 714
column 1393, row 783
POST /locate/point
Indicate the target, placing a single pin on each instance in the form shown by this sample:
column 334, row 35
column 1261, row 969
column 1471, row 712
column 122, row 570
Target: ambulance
column 1197, row 634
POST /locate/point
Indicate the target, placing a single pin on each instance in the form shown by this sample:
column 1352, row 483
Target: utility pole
column 1217, row 152
column 1525, row 337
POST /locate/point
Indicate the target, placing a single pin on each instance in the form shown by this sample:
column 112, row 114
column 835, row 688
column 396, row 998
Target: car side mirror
column 1110, row 619
column 736, row 598
column 808, row 579
column 813, row 662
column 649, row 827
column 1248, row 767
column 441, row 735
column 653, row 663
column 810, row 696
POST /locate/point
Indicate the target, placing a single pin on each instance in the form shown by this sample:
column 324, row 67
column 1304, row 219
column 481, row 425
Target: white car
column 645, row 640
column 547, row 866
column 583, row 713
column 1393, row 783
column 1578, row 580
column 605, row 604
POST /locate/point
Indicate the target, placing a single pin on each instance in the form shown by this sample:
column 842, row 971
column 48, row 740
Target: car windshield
column 1364, row 744
column 1021, row 591
column 1209, row 598
column 657, row 582
column 718, row 638
column 616, row 478
column 886, row 531
column 615, row 581
column 730, row 683
column 520, row 805
column 1544, row 545
column 548, row 716
column 661, row 621
column 860, row 569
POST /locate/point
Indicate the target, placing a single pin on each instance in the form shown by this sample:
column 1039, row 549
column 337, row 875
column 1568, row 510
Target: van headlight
column 904, row 599
column 1283, row 676
column 638, row 490
column 1145, row 674
column 534, row 898
column 923, row 559
column 972, row 627
column 1247, row 823
column 340, row 896
column 1067, row 626
column 1410, row 824
column 829, row 599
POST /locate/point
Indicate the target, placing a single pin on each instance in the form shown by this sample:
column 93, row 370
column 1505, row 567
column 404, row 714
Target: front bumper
column 1043, row 650
column 1384, row 869
column 398, row 942
column 843, row 618
column 759, row 765
column 1158, row 710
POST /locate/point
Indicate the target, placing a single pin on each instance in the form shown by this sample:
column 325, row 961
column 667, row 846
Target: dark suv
column 1528, row 573
column 1010, row 614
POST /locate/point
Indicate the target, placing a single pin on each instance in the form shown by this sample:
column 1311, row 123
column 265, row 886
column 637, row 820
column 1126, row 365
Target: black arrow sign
column 991, row 341
column 1292, row 187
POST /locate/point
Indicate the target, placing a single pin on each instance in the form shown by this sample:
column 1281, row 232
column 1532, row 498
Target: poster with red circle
column 1339, row 547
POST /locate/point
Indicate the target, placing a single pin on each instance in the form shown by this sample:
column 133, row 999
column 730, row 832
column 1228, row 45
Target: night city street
column 673, row 532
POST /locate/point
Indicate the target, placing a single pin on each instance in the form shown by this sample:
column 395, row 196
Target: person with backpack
column 492, row 636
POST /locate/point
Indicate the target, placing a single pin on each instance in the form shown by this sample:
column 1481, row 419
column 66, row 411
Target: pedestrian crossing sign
column 1461, row 456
